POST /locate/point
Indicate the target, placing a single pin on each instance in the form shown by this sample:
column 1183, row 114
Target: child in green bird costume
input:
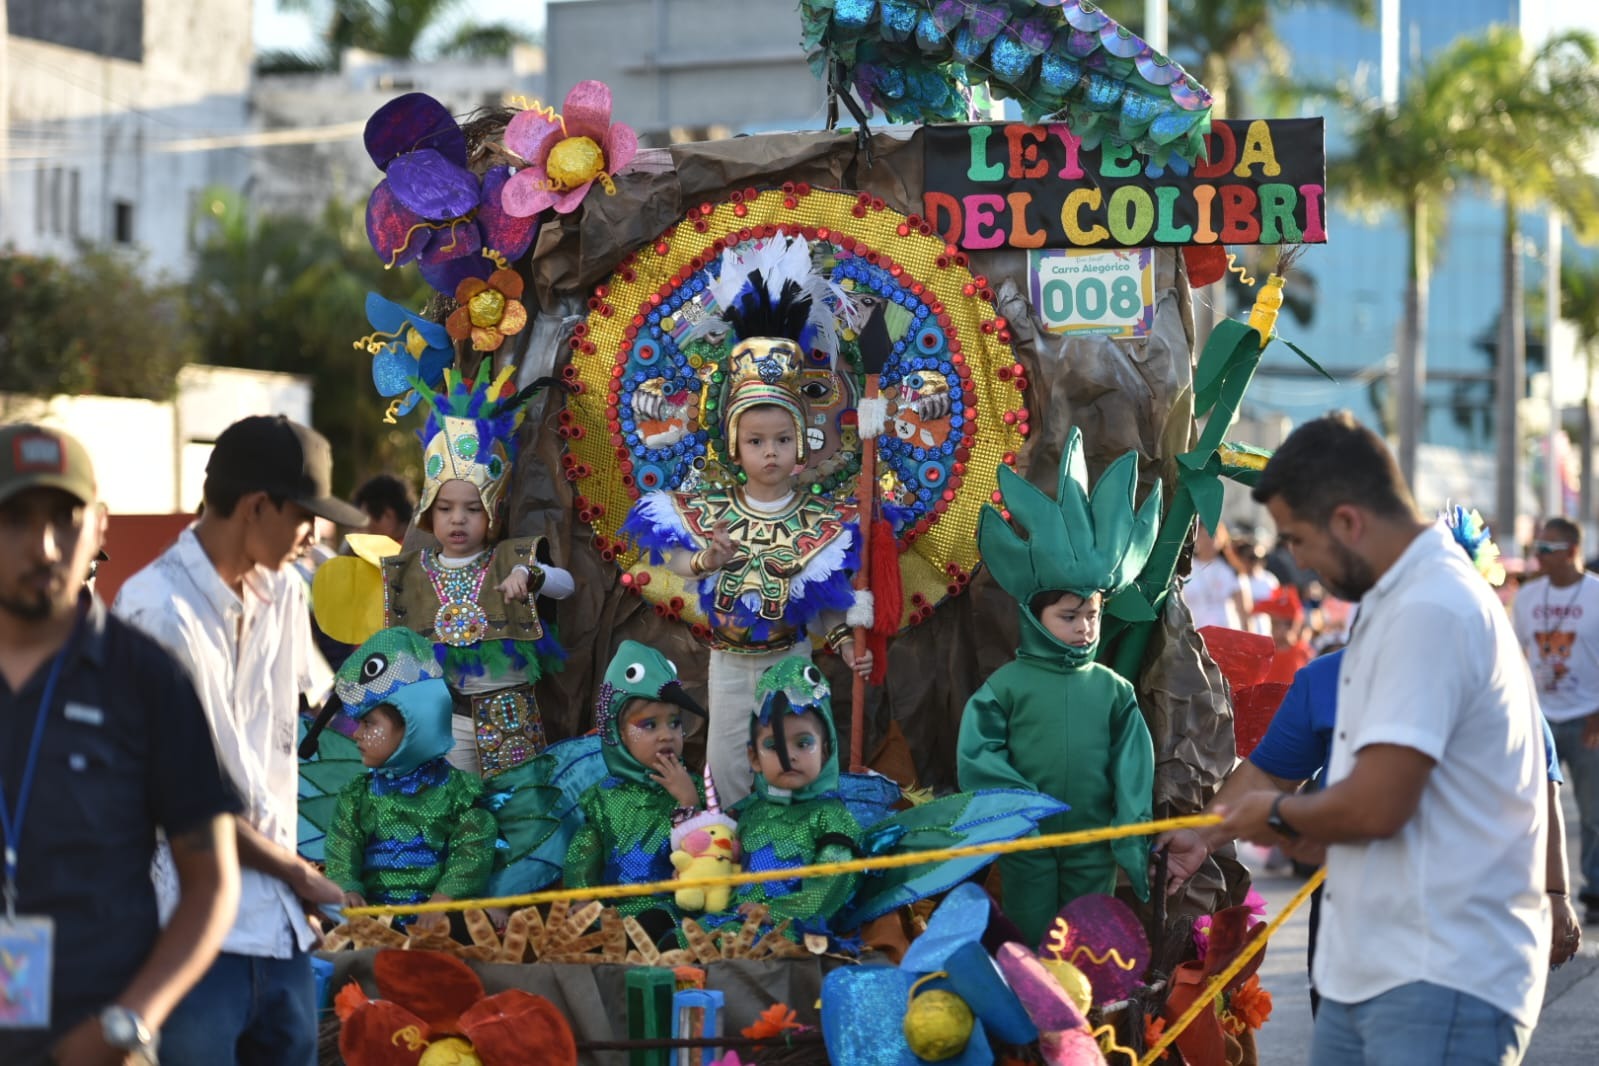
column 412, row 828
column 795, row 816
column 628, row 816
column 1053, row 719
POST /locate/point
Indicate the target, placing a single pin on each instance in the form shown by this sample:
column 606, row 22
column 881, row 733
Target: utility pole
column 1554, row 486
column 1511, row 385
column 1410, row 384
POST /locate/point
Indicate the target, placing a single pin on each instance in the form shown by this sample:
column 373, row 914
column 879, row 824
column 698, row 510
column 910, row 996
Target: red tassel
column 888, row 595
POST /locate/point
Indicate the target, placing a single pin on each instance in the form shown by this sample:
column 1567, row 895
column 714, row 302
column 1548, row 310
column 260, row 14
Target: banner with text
column 989, row 185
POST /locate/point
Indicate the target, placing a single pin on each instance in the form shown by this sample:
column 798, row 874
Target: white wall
column 150, row 457
column 132, row 443
column 115, row 130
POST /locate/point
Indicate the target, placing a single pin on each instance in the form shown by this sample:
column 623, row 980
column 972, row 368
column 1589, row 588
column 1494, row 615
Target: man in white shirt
column 1557, row 622
column 226, row 601
column 1434, row 938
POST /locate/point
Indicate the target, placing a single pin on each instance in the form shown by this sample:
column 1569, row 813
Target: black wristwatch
column 124, row 1030
column 1275, row 821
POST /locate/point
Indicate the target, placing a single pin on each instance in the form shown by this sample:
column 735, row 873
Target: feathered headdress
column 778, row 308
column 1472, row 534
column 470, row 435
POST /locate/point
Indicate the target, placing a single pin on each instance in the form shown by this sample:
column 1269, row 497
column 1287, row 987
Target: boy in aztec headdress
column 770, row 564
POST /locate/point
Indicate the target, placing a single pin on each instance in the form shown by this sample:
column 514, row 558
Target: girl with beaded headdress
column 475, row 596
column 1053, row 719
column 771, row 565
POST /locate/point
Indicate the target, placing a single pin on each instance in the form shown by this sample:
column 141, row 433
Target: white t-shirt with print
column 1559, row 631
column 1209, row 592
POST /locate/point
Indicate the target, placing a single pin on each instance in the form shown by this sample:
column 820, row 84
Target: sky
column 276, row 30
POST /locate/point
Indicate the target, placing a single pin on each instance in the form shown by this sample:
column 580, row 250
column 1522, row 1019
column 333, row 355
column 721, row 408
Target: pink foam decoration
column 587, row 110
column 621, row 145
column 566, row 202
column 531, row 135
column 1046, row 1003
column 524, row 195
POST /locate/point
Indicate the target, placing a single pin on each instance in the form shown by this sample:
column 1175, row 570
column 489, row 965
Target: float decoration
column 915, row 60
column 649, row 373
column 566, row 152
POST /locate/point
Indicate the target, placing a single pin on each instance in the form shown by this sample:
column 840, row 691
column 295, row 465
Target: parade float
column 1030, row 280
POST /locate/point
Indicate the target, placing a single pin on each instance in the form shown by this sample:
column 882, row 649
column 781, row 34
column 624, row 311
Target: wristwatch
column 125, row 1030
column 1275, row 821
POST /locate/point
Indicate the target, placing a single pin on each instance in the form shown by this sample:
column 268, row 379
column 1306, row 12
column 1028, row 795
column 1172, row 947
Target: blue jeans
column 1582, row 776
column 1418, row 1024
column 246, row 1011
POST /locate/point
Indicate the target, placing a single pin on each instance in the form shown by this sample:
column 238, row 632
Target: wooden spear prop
column 871, row 419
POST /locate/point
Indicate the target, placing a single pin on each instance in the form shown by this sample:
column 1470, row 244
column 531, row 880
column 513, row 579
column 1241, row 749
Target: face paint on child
column 1072, row 620
column 805, row 738
column 378, row 735
column 459, row 520
column 652, row 728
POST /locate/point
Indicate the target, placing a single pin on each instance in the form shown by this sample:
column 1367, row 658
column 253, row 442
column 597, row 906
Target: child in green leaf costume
column 1053, row 719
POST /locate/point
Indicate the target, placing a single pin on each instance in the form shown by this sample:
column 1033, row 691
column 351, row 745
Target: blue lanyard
column 13, row 826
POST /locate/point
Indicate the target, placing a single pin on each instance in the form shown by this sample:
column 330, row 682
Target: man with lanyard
column 1434, row 943
column 226, row 601
column 1557, row 622
column 102, row 742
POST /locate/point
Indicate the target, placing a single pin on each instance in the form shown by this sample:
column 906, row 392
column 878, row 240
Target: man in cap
column 102, row 742
column 227, row 602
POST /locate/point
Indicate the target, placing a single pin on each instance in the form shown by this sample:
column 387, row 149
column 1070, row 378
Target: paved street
column 1567, row 1034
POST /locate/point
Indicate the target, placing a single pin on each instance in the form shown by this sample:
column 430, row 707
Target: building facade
column 111, row 109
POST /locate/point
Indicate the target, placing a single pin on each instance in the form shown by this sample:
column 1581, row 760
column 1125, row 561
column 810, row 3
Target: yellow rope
column 1220, row 980
column 826, row 869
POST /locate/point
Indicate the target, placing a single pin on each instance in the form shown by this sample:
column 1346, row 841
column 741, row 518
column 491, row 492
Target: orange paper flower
column 1251, row 1003
column 490, row 310
column 774, row 1021
column 1154, row 1027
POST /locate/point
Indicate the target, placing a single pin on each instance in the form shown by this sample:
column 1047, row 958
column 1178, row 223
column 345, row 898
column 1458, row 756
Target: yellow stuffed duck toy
column 704, row 847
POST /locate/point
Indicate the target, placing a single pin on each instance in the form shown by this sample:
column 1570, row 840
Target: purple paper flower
column 429, row 208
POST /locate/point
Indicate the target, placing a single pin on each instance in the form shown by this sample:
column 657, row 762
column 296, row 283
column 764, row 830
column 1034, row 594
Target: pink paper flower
column 567, row 152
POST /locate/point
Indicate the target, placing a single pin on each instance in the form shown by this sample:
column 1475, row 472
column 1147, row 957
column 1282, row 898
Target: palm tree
column 394, row 28
column 1534, row 134
column 1404, row 158
column 1579, row 305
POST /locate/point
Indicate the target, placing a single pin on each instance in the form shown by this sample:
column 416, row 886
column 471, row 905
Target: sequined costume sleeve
column 778, row 836
column 585, row 856
column 345, row 841
column 469, row 851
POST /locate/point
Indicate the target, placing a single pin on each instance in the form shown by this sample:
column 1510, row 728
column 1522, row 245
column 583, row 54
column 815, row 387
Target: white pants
column 731, row 680
column 464, row 755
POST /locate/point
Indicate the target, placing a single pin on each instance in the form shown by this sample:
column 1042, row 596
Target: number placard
column 1080, row 291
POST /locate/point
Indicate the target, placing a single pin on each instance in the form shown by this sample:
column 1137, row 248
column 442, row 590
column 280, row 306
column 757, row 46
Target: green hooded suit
column 1053, row 719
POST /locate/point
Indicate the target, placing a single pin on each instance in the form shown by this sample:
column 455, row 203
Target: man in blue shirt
column 102, row 742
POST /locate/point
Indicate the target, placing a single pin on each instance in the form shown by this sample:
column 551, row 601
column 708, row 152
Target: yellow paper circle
column 938, row 1025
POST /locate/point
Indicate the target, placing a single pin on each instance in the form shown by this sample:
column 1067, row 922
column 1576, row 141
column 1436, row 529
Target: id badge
column 27, row 952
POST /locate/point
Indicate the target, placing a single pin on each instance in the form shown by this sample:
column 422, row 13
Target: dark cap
column 269, row 453
column 33, row 457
